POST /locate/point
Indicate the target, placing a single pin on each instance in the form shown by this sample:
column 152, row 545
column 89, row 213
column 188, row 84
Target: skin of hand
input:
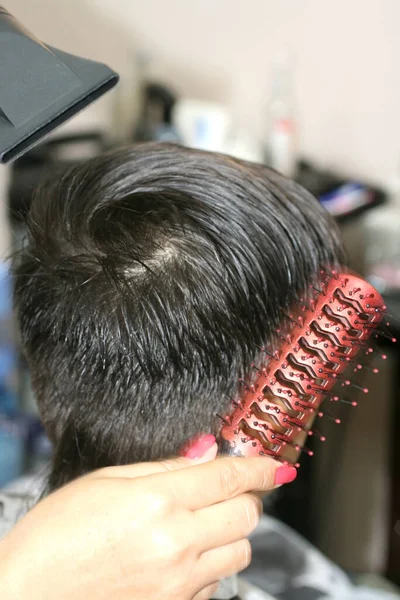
column 169, row 530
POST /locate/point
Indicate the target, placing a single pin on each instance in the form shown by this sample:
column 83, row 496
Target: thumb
column 203, row 449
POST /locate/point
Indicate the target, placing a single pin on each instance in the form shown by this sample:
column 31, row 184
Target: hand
column 167, row 530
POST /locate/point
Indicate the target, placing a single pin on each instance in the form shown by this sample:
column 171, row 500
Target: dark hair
column 150, row 277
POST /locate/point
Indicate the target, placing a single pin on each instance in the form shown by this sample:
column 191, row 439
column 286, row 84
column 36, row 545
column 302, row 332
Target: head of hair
column 150, row 277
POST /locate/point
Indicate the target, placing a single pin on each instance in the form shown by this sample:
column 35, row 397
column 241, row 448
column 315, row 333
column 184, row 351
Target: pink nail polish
column 285, row 475
column 199, row 446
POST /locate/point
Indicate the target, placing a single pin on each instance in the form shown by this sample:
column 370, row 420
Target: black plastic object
column 342, row 197
column 41, row 87
column 49, row 159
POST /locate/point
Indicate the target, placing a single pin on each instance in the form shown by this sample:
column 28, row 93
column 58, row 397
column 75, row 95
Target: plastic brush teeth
column 274, row 414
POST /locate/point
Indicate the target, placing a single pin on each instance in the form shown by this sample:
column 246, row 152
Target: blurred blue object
column 5, row 291
column 38, row 445
column 24, row 446
column 347, row 198
column 8, row 352
column 12, row 449
column 12, row 429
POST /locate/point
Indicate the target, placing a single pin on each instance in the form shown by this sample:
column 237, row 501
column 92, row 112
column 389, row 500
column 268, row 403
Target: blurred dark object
column 38, row 447
column 41, row 87
column 393, row 565
column 342, row 197
column 293, row 506
column 155, row 122
column 51, row 157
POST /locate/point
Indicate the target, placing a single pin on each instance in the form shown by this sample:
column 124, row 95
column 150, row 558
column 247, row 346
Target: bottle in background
column 281, row 141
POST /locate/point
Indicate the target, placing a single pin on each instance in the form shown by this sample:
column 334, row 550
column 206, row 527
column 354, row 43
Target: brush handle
column 228, row 589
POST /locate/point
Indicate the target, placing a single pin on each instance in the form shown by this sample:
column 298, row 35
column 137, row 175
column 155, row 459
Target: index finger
column 206, row 484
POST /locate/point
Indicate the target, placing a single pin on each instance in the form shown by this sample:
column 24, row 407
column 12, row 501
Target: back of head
column 150, row 277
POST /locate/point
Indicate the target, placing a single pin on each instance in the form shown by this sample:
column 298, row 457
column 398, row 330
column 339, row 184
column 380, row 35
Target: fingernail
column 198, row 447
column 285, row 475
column 209, row 454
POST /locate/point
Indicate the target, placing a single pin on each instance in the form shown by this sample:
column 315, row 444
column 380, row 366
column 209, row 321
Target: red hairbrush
column 274, row 414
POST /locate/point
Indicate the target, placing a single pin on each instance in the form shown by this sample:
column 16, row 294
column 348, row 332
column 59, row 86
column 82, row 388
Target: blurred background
column 309, row 87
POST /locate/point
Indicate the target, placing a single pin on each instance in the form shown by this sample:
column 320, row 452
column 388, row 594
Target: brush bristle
column 274, row 415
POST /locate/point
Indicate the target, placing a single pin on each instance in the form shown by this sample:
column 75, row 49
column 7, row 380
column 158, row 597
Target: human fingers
column 227, row 522
column 224, row 478
column 223, row 562
column 207, row 592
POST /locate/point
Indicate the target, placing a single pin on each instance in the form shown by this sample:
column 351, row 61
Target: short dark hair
column 150, row 277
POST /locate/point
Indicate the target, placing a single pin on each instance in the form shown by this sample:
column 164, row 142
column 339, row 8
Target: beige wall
column 347, row 72
column 346, row 54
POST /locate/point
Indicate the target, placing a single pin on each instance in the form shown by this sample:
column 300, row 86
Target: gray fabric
column 289, row 568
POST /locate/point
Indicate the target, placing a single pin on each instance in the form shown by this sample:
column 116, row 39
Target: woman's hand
column 167, row 530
